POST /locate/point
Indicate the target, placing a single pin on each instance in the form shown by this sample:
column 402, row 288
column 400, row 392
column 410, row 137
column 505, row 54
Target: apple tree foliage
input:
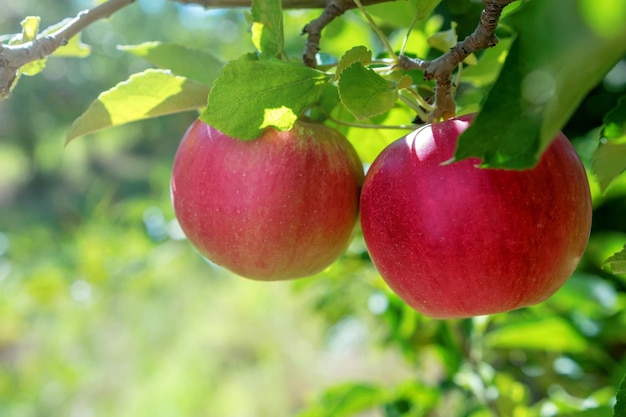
column 561, row 358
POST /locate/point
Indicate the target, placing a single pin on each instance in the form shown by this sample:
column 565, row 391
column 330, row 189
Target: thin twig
column 376, row 29
column 408, row 32
column 440, row 69
column 13, row 57
column 371, row 126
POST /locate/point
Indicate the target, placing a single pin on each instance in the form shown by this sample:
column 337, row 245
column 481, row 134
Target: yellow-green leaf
column 552, row 334
column 30, row 29
column 148, row 94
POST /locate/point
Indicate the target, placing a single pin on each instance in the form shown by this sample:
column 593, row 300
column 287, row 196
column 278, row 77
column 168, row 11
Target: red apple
column 278, row 207
column 455, row 240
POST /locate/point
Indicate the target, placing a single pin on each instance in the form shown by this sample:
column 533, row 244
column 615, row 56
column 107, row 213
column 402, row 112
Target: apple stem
column 422, row 113
column 422, row 102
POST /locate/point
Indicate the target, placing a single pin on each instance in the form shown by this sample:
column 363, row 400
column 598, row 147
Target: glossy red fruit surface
column 279, row 207
column 454, row 240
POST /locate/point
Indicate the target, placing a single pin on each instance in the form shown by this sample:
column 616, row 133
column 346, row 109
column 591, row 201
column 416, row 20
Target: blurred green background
column 105, row 309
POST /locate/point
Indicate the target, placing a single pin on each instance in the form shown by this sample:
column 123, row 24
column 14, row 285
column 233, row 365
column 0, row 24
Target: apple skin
column 455, row 241
column 279, row 207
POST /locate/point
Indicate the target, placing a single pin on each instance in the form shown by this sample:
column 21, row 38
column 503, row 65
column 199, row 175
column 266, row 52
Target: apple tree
column 531, row 73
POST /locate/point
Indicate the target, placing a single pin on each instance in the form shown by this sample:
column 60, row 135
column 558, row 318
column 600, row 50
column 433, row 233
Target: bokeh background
column 106, row 310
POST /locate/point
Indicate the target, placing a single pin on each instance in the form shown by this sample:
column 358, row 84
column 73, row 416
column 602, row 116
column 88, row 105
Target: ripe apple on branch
column 265, row 94
column 281, row 206
column 455, row 240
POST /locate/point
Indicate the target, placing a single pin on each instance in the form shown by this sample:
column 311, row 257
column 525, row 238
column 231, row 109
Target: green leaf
column 615, row 121
column 357, row 54
column 425, row 8
column 400, row 14
column 197, row 64
column 444, row 40
column 30, row 28
column 604, row 411
column 365, row 93
column 252, row 94
column 605, row 17
column 609, row 161
column 556, row 59
column 148, row 94
column 552, row 334
column 267, row 27
column 328, row 101
column 620, row 404
column 618, row 262
column 488, row 67
column 345, row 401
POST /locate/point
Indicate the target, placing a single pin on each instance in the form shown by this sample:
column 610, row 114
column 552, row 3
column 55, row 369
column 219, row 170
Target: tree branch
column 227, row 4
column 313, row 30
column 440, row 69
column 13, row 57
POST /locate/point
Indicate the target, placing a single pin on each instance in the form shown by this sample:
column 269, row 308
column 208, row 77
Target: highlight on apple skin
column 454, row 240
column 279, row 207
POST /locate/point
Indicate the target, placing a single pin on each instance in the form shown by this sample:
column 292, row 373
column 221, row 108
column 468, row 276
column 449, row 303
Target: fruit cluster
column 451, row 239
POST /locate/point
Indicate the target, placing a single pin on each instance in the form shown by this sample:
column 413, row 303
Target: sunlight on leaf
column 30, row 29
column 615, row 121
column 609, row 160
column 148, row 94
column 606, row 17
column 267, row 27
column 283, row 118
column 247, row 87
